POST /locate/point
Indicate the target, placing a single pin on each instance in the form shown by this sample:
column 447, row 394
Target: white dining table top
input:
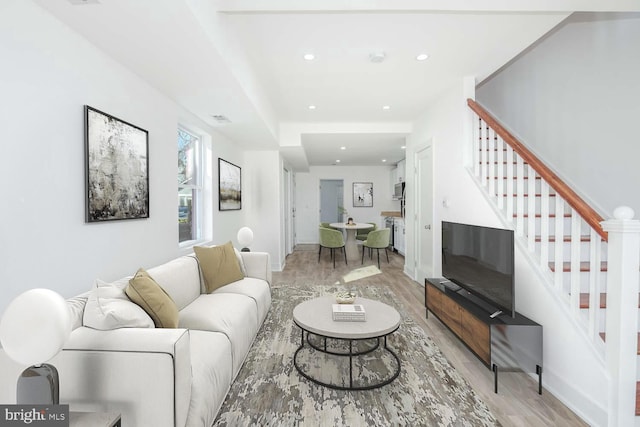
column 354, row 226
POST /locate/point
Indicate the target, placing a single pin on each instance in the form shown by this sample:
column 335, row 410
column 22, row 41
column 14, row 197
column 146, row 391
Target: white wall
column 573, row 99
column 48, row 73
column 308, row 196
column 262, row 198
column 567, row 354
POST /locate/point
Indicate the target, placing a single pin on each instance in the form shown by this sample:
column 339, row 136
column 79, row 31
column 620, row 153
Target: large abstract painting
column 117, row 168
column 229, row 186
column 363, row 194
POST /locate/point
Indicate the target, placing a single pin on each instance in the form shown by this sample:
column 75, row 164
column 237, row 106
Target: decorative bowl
column 345, row 297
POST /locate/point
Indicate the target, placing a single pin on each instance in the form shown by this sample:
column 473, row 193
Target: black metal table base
column 350, row 354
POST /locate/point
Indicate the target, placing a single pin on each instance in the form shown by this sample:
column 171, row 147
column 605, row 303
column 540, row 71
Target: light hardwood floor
column 517, row 403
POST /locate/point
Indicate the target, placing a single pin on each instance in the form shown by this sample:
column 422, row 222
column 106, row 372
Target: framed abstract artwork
column 229, row 186
column 363, row 194
column 116, row 168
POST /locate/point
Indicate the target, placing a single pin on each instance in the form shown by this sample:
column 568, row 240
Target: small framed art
column 363, row 194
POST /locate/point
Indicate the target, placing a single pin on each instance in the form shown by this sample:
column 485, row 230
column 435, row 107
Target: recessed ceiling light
column 312, row 107
column 422, row 57
column 337, row 161
column 377, row 57
column 386, row 107
column 384, row 160
column 309, row 56
column 403, row 147
column 343, row 148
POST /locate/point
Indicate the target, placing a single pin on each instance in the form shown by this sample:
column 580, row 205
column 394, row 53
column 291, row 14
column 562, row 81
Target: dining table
column 350, row 244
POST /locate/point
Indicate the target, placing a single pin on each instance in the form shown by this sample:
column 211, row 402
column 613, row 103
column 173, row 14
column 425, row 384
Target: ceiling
column 244, row 60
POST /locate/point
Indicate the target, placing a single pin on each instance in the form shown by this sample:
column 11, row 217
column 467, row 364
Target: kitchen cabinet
column 401, row 171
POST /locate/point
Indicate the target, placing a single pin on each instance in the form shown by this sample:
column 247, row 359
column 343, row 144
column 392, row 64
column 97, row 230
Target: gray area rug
column 269, row 391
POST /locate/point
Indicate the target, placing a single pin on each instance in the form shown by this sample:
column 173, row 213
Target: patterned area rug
column 269, row 391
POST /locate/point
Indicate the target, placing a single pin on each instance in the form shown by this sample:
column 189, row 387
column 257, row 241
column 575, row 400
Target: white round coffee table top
column 316, row 316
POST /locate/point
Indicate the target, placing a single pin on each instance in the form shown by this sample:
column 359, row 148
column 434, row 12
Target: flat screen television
column 480, row 261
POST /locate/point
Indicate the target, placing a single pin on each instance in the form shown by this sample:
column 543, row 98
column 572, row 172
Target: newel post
column 623, row 276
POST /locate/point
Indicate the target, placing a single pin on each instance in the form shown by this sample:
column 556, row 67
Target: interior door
column 331, row 199
column 424, row 197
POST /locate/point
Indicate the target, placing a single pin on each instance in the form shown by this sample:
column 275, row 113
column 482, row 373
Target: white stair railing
column 556, row 226
column 570, row 241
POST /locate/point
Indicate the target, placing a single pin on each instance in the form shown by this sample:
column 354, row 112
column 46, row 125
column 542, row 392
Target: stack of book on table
column 349, row 313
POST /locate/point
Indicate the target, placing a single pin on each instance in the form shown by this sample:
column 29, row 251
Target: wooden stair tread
column 584, row 266
column 584, row 300
column 515, row 177
column 638, row 398
column 567, row 215
column 527, row 195
column 552, row 239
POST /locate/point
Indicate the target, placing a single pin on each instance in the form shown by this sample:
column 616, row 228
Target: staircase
column 559, row 230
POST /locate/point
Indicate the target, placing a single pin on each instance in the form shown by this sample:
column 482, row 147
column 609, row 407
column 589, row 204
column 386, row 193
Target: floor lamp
column 33, row 329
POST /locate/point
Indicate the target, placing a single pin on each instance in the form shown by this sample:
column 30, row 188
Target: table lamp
column 33, row 329
column 245, row 238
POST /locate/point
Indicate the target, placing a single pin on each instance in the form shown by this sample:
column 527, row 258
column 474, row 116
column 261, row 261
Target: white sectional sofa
column 156, row 376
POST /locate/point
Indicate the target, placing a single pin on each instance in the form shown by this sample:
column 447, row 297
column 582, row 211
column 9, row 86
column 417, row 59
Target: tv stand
column 500, row 341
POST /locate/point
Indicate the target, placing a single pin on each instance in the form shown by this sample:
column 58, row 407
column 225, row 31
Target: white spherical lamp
column 245, row 238
column 33, row 329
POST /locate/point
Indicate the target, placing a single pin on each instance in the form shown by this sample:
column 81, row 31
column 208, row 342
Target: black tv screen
column 480, row 260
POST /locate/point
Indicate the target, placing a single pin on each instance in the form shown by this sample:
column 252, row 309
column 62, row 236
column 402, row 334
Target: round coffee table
column 315, row 317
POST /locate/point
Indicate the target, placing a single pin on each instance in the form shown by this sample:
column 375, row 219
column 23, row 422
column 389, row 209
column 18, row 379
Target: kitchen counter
column 395, row 214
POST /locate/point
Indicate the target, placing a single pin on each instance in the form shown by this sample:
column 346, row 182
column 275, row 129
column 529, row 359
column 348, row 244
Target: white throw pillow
column 241, row 261
column 108, row 307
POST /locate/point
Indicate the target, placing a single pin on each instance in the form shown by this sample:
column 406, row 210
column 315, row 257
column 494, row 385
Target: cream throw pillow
column 145, row 292
column 109, row 308
column 219, row 265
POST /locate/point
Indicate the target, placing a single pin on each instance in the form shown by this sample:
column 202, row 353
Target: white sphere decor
column 245, row 236
column 623, row 212
column 35, row 326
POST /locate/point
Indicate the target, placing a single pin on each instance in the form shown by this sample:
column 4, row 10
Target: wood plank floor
column 517, row 403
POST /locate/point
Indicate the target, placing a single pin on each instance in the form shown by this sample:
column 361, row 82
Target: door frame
column 419, row 193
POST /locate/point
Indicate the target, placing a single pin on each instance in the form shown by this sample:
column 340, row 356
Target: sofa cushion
column 212, row 367
column 145, row 292
column 108, row 307
column 180, row 278
column 234, row 315
column 256, row 289
column 76, row 307
column 219, row 265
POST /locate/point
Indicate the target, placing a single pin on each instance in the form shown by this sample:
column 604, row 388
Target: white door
column 424, row 229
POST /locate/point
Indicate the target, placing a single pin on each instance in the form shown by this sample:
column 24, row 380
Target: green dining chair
column 327, row 225
column 362, row 233
column 378, row 239
column 331, row 239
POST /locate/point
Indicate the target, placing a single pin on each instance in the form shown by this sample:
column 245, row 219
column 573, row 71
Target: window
column 190, row 170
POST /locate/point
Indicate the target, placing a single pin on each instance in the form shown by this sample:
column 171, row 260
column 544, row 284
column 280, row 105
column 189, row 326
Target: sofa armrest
column 257, row 265
column 143, row 373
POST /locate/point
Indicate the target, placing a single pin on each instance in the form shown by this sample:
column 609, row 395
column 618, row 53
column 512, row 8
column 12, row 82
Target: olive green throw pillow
column 145, row 292
column 219, row 265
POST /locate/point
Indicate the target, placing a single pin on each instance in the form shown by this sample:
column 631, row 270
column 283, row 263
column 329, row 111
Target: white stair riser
column 584, row 248
column 584, row 281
